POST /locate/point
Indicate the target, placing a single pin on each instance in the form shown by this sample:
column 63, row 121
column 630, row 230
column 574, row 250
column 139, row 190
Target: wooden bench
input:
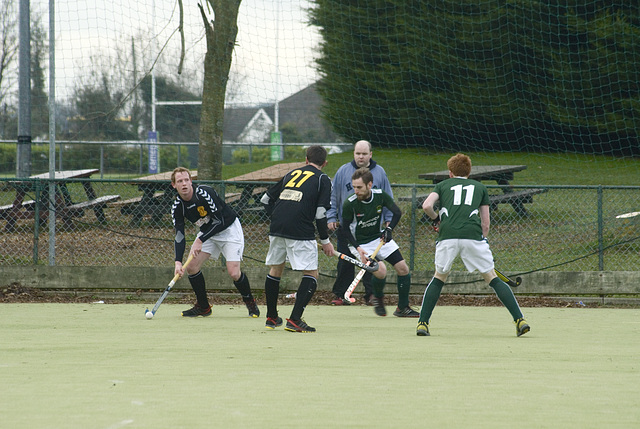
column 232, row 197
column 97, row 204
column 240, row 200
column 29, row 205
column 135, row 200
column 156, row 205
column 516, row 199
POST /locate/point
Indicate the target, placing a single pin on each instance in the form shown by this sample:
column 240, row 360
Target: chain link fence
column 128, row 223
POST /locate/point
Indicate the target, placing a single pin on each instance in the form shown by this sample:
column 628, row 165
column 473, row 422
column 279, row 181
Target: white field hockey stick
column 628, row 215
column 358, row 277
column 166, row 291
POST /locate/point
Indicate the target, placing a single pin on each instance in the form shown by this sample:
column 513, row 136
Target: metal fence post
column 101, row 161
column 36, row 224
column 600, row 231
column 412, row 238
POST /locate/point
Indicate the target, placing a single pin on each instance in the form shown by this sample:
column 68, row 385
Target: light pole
column 23, row 150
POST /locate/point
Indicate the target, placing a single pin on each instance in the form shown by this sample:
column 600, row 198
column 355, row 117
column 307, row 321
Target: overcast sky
column 96, row 35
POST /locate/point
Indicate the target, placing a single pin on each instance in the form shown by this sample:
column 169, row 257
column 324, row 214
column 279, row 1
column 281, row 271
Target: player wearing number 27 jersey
column 297, row 198
column 297, row 202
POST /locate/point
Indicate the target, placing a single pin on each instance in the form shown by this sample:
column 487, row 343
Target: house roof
column 236, row 120
column 302, row 110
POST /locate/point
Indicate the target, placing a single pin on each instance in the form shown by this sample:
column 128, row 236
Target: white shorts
column 229, row 242
column 302, row 254
column 384, row 252
column 476, row 255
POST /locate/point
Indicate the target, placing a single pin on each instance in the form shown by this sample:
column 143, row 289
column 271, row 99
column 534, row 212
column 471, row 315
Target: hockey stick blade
column 508, row 280
column 168, row 288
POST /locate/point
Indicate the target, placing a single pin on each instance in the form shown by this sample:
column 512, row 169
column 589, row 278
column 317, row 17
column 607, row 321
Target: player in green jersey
column 363, row 226
column 463, row 225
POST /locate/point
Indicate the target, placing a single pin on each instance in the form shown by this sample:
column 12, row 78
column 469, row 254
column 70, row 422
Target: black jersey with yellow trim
column 297, row 197
column 206, row 210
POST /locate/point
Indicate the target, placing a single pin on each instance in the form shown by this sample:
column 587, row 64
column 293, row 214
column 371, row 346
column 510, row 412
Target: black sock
column 198, row 286
column 307, row 288
column 404, row 287
column 271, row 291
column 242, row 284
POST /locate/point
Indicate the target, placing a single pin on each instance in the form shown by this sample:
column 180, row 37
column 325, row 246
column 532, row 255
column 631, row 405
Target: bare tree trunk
column 221, row 39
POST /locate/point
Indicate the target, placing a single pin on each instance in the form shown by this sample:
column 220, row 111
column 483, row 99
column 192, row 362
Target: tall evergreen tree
column 486, row 75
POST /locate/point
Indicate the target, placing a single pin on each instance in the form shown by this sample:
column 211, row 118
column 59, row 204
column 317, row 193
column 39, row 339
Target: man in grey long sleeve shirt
column 341, row 189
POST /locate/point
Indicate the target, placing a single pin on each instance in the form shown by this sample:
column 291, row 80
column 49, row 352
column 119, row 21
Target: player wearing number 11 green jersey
column 460, row 202
column 463, row 227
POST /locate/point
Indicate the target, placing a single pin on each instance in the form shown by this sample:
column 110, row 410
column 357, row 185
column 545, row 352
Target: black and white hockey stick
column 149, row 314
column 370, row 267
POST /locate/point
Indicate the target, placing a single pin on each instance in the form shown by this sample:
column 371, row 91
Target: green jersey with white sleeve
column 364, row 218
column 460, row 200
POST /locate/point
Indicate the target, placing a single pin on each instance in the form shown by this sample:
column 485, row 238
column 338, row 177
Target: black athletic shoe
column 254, row 311
column 197, row 311
column 406, row 312
column 378, row 306
column 272, row 323
column 298, row 326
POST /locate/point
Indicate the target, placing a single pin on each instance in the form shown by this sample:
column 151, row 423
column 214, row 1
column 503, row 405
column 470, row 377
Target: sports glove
column 435, row 223
column 386, row 235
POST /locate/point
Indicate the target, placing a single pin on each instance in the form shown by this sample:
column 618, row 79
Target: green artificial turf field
column 106, row 366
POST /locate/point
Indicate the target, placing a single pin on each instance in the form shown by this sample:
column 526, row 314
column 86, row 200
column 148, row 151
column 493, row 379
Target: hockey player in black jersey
column 300, row 199
column 220, row 232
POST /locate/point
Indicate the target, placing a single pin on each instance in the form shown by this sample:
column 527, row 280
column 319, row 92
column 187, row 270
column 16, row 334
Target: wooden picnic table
column 158, row 194
column 502, row 174
column 252, row 191
column 156, row 199
column 268, row 174
column 64, row 204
